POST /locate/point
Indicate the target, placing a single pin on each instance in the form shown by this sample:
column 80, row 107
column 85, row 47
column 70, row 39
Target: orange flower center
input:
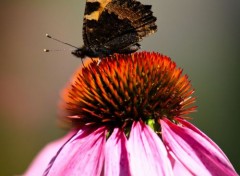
column 125, row 88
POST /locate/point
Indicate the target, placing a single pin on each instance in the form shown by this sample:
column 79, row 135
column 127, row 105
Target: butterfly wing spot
column 91, row 7
column 94, row 9
column 90, row 30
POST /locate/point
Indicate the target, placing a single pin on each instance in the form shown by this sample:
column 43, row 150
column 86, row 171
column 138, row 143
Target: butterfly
column 114, row 26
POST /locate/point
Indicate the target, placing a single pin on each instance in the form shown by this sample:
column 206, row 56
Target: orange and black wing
column 113, row 26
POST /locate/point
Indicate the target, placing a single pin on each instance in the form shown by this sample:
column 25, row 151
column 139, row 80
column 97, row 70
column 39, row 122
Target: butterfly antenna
column 49, row 36
column 49, row 50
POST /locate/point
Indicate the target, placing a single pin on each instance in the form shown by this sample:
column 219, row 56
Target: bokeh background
column 202, row 36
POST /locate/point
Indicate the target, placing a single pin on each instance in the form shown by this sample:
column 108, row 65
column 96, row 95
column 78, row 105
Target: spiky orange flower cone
column 127, row 88
column 131, row 114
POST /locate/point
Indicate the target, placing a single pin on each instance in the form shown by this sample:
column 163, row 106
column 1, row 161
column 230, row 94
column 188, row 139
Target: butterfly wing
column 116, row 25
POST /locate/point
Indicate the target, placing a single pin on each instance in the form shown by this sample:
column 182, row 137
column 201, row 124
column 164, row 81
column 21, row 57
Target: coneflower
column 131, row 114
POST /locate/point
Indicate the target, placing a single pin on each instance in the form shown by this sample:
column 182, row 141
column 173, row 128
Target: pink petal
column 178, row 168
column 82, row 155
column 194, row 151
column 41, row 161
column 148, row 156
column 116, row 155
column 195, row 129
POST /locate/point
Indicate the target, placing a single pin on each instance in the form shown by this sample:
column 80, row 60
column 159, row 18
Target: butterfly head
column 80, row 52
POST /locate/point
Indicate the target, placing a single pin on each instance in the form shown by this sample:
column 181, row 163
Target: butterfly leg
column 82, row 62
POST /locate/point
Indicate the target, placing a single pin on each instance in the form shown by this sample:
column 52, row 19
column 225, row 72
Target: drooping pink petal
column 41, row 161
column 196, row 153
column 148, row 156
column 82, row 155
column 195, row 129
column 116, row 155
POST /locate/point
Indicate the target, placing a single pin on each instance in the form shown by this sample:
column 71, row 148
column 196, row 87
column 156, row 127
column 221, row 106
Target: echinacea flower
column 131, row 113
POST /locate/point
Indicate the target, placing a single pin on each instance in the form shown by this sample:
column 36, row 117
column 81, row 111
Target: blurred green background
column 203, row 37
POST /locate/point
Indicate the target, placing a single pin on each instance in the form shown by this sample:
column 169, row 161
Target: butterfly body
column 114, row 26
